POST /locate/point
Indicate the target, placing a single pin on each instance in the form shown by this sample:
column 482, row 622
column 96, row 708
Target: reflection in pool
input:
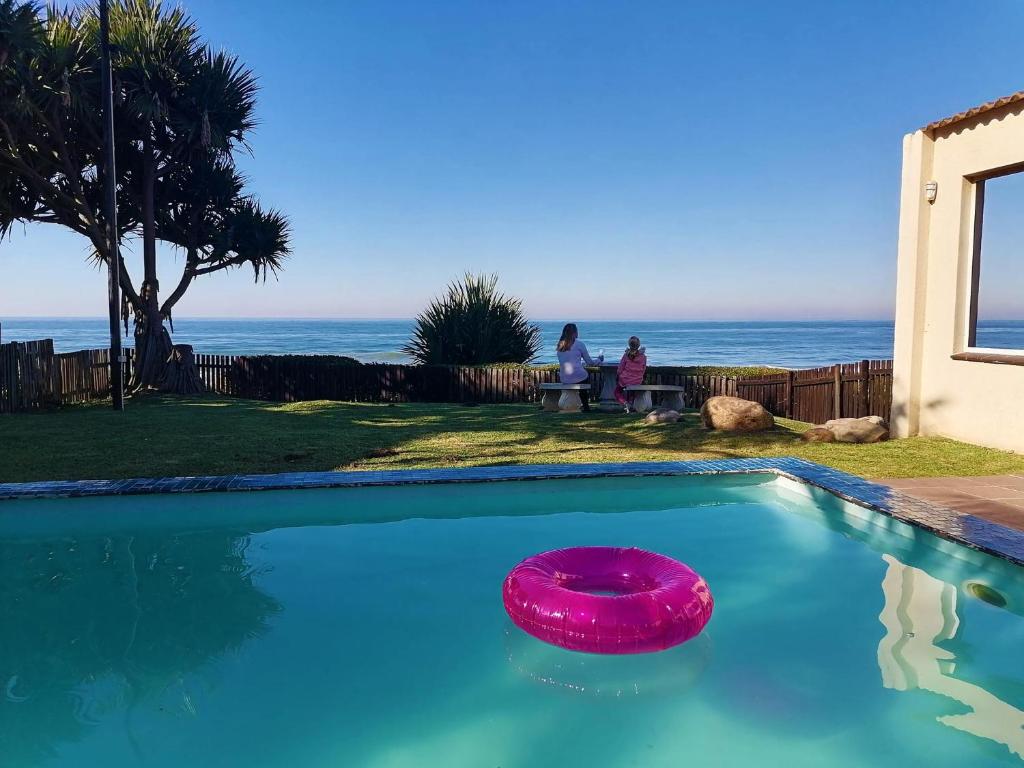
column 95, row 626
column 669, row 673
column 920, row 616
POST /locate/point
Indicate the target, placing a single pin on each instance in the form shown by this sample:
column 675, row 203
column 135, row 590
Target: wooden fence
column 84, row 375
column 293, row 378
column 29, row 378
column 32, row 377
column 819, row 394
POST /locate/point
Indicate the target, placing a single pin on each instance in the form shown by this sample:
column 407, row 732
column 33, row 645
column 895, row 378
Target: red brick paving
column 998, row 498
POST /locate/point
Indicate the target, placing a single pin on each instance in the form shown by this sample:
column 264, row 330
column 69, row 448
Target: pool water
column 364, row 627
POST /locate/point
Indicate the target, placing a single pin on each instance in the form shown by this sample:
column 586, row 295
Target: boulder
column 818, row 435
column 734, row 414
column 876, row 420
column 662, row 416
column 869, row 429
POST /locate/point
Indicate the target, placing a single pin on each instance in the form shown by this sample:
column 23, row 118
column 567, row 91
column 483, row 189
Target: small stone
column 662, row 416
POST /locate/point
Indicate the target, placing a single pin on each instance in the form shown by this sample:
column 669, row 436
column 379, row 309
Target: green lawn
column 160, row 436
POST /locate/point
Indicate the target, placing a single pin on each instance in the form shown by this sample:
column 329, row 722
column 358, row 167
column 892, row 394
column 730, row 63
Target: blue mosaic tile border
column 964, row 529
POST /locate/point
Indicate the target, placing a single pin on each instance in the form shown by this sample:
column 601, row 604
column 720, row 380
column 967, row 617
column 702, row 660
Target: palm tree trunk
column 149, row 217
column 153, row 347
column 181, row 376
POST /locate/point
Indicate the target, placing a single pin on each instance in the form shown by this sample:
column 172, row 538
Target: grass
column 686, row 370
column 159, row 436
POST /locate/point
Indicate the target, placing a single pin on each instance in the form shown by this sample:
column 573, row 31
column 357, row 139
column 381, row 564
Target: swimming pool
column 364, row 626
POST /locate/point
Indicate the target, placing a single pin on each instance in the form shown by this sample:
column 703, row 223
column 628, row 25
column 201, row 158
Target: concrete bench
column 672, row 396
column 563, row 397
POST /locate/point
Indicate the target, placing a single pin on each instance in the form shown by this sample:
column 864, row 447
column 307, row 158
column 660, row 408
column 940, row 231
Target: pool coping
column 962, row 528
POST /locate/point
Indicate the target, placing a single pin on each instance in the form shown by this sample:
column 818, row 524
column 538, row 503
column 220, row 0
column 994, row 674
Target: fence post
column 837, row 391
column 865, row 396
column 789, row 394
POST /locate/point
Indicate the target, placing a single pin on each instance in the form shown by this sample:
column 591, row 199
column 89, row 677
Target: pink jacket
column 632, row 371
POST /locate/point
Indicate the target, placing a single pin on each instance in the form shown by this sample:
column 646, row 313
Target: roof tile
column 974, row 112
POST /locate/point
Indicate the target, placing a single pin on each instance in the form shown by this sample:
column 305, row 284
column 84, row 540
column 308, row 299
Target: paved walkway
column 999, row 498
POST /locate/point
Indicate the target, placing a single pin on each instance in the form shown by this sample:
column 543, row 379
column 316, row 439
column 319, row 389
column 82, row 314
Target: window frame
column 971, row 350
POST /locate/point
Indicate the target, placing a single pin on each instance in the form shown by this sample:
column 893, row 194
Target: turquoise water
column 364, row 627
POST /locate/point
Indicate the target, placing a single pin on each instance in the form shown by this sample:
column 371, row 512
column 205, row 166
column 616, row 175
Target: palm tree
column 183, row 105
column 181, row 111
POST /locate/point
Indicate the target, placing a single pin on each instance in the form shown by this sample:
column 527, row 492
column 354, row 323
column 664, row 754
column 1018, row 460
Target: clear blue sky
column 609, row 159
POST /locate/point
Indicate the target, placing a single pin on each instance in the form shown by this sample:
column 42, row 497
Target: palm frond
column 20, row 28
column 218, row 103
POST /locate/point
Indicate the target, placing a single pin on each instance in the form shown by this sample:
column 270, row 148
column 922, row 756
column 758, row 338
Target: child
column 631, row 371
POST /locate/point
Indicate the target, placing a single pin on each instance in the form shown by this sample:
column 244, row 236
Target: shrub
column 339, row 360
column 473, row 324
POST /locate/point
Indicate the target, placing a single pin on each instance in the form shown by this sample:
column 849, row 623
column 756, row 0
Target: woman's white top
column 572, row 363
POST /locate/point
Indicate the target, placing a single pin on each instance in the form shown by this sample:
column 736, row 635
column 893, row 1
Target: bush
column 730, row 370
column 473, row 324
column 340, row 360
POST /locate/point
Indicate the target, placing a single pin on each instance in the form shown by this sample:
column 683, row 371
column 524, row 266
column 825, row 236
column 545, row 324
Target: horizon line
column 364, row 318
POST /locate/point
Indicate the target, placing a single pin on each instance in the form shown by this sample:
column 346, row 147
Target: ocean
column 788, row 344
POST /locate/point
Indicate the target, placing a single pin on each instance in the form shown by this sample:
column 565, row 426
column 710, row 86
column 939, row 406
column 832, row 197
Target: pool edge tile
column 961, row 528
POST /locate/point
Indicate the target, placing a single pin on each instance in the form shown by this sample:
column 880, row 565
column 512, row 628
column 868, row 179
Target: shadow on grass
column 166, row 436
column 500, row 435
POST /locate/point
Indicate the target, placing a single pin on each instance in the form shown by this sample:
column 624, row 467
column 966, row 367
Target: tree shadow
column 161, row 436
column 95, row 625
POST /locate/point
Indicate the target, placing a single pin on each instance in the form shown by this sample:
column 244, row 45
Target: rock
column 864, row 430
column 870, row 419
column 818, row 435
column 662, row 416
column 734, row 414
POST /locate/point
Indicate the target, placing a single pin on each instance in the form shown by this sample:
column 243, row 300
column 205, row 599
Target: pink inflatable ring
column 607, row 599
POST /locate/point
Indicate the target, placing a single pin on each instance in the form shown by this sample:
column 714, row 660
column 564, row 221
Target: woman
column 573, row 359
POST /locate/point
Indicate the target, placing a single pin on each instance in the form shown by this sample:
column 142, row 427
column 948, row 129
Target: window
column 997, row 287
